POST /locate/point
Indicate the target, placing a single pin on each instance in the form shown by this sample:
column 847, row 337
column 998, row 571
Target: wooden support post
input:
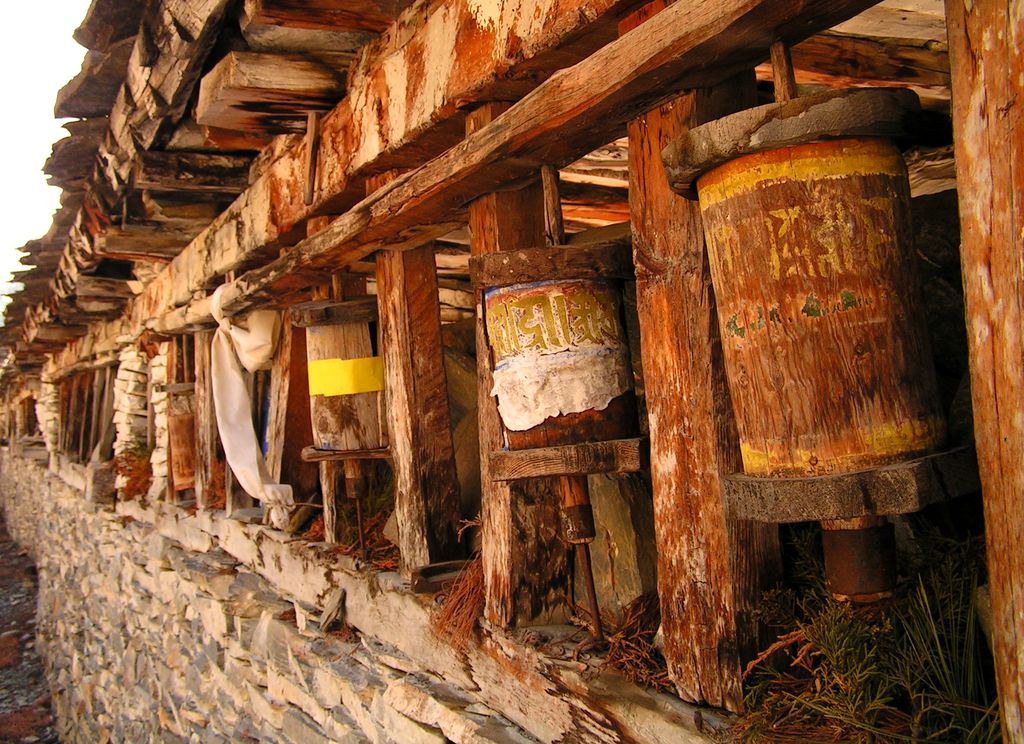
column 206, row 420
column 171, row 377
column 554, row 226
column 985, row 39
column 711, row 570
column 103, row 449
column 98, row 378
column 416, row 391
column 288, row 430
column 525, row 562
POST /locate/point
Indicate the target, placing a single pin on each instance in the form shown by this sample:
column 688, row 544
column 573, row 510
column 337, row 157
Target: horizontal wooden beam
column 612, row 260
column 371, row 16
column 615, row 456
column 902, row 488
column 837, row 61
column 102, row 287
column 263, row 92
column 151, row 241
column 192, row 172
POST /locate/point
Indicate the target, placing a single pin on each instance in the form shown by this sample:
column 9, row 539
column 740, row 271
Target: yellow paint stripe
column 330, row 377
column 802, row 163
column 881, row 444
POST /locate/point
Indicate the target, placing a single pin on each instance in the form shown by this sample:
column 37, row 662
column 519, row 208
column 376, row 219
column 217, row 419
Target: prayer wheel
column 561, row 362
column 346, row 383
column 806, row 212
column 181, row 431
column 562, row 376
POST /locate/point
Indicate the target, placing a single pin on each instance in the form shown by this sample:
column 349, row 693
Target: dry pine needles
column 462, row 605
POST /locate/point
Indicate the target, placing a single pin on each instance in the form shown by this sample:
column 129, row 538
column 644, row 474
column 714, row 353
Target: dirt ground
column 24, row 695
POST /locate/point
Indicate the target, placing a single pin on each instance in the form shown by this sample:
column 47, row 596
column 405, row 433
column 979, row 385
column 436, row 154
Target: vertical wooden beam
column 289, row 428
column 206, row 420
column 985, row 42
column 104, row 448
column 524, row 559
column 554, row 226
column 711, row 571
column 171, row 377
column 416, row 391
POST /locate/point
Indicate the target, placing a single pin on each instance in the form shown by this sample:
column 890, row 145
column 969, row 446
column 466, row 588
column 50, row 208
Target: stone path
column 24, row 696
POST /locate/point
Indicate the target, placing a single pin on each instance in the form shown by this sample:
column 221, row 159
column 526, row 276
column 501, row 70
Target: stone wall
column 161, row 624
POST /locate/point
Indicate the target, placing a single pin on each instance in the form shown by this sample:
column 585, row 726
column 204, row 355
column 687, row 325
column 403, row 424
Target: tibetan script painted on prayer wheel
column 822, row 329
column 559, row 347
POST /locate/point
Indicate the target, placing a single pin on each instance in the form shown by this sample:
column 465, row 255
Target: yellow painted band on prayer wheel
column 330, row 377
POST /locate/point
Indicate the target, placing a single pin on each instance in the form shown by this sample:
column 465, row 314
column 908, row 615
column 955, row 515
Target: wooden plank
column 312, row 454
column 600, row 260
column 524, row 564
column 288, row 430
column 612, row 456
column 192, row 172
column 149, row 241
column 920, row 20
column 708, row 579
column 985, row 39
column 270, row 92
column 370, row 16
column 330, row 312
column 423, row 456
column 102, row 287
column 206, row 420
column 841, row 61
column 901, row 488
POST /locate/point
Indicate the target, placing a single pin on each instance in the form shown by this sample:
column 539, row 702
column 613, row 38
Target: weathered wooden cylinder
column 806, row 210
column 346, row 378
column 181, row 431
column 561, row 362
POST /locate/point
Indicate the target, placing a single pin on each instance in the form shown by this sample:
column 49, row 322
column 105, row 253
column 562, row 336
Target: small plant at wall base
column 134, row 466
column 915, row 668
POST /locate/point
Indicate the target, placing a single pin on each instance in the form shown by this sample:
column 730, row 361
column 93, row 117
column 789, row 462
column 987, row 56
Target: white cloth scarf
column 251, row 346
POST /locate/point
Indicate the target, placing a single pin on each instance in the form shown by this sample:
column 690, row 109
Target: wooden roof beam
column 263, row 32
column 567, row 116
column 381, row 125
column 150, row 241
column 838, row 61
column 192, row 172
column 366, row 16
column 262, row 92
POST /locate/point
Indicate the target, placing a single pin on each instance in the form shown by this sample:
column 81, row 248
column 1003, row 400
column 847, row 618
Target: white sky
column 37, row 57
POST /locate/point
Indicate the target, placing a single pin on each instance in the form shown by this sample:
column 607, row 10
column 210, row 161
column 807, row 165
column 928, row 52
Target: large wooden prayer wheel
column 806, row 211
column 346, row 377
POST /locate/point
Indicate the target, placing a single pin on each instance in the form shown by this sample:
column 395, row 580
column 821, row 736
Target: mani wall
column 158, row 623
